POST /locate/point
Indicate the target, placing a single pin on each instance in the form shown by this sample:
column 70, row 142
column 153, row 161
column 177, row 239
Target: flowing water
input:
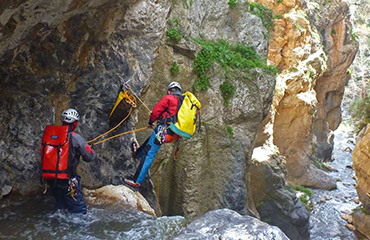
column 32, row 218
column 325, row 220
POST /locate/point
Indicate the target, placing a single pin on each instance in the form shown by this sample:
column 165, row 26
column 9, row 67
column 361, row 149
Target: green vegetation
column 279, row 1
column 333, row 31
column 229, row 56
column 321, row 164
column 175, row 69
column 174, row 21
column 277, row 16
column 174, row 33
column 187, row 4
column 305, row 198
column 262, row 12
column 230, row 131
column 362, row 209
column 232, row 3
column 360, row 112
column 228, row 91
column 293, row 69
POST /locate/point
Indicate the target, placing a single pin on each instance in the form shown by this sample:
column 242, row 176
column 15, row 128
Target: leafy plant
column 277, row 16
column 360, row 112
column 229, row 56
column 227, row 90
column 279, row 1
column 174, row 21
column 187, row 4
column 300, row 188
column 333, row 31
column 305, row 198
column 174, row 34
column 232, row 3
column 175, row 69
column 230, row 131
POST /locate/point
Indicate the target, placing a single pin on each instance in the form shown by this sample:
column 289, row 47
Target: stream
column 325, row 220
column 32, row 218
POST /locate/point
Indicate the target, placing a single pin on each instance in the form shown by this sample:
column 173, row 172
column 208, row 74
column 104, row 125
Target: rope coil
column 129, row 99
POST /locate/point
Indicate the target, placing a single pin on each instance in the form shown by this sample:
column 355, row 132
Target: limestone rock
column 350, row 227
column 227, row 224
column 274, row 203
column 121, row 195
column 306, row 105
column 361, row 222
column 361, row 164
column 212, row 161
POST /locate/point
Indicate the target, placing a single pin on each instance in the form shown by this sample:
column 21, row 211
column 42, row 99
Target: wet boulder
column 274, row 203
column 228, row 224
column 118, row 195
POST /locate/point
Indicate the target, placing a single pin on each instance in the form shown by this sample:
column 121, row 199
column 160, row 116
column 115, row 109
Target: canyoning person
column 61, row 150
column 163, row 113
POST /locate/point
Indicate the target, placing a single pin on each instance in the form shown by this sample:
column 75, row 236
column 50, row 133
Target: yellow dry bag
column 184, row 123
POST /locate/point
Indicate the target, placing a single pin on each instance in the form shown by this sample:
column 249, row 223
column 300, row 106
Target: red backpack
column 55, row 152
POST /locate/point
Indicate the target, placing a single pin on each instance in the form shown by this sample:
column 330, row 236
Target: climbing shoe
column 134, row 148
column 131, row 183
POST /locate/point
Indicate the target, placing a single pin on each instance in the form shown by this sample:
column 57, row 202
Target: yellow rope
column 130, row 100
column 141, row 101
column 136, row 130
column 101, row 135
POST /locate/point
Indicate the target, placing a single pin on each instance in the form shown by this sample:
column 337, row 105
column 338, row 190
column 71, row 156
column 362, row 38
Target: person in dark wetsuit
column 162, row 113
column 67, row 192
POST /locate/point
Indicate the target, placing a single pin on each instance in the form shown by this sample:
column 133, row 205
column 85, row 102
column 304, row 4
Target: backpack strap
column 56, row 169
column 200, row 122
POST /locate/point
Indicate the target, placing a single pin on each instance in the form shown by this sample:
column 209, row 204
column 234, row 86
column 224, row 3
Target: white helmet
column 70, row 116
column 173, row 85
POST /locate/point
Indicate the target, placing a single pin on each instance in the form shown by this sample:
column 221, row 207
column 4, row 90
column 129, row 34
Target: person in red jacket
column 162, row 112
column 67, row 192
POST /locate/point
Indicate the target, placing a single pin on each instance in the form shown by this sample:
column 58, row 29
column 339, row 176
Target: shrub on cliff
column 360, row 112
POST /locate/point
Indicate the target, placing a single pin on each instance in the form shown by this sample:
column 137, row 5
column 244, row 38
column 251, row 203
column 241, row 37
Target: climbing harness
column 72, row 189
column 161, row 134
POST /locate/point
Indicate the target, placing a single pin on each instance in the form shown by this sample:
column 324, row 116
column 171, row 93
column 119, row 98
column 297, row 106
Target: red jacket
column 167, row 103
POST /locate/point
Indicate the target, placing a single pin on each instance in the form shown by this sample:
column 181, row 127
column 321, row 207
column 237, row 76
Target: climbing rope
column 141, row 101
column 129, row 99
column 101, row 135
column 135, row 130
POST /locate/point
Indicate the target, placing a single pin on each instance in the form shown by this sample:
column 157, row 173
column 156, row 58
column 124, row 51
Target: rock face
column 274, row 203
column 77, row 54
column 56, row 55
column 212, row 162
column 227, row 224
column 362, row 222
column 122, row 195
column 361, row 164
column 306, row 105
